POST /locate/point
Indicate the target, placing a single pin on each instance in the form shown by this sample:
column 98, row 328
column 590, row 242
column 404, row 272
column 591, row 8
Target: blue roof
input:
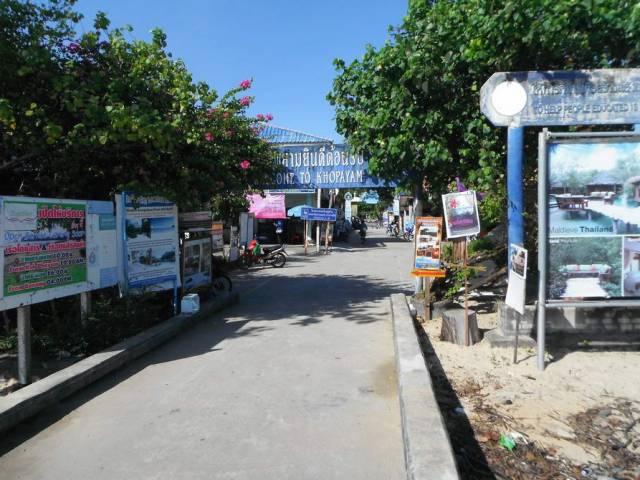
column 280, row 135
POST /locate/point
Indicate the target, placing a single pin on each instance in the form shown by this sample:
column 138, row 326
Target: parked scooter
column 276, row 257
column 408, row 233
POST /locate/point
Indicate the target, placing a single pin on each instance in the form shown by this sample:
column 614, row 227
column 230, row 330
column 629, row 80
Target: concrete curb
column 427, row 449
column 26, row 402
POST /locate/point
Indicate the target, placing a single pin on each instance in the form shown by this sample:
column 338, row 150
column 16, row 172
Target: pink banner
column 271, row 206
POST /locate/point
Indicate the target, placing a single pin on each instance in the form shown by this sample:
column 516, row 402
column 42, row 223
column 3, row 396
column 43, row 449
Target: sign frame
column 428, row 272
column 475, row 214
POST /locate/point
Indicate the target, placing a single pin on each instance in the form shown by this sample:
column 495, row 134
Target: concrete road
column 295, row 382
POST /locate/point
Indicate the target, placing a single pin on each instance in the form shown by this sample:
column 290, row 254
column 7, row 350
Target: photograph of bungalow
column 585, row 267
column 594, row 189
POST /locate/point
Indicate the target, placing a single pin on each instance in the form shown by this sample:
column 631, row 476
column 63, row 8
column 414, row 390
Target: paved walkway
column 295, row 382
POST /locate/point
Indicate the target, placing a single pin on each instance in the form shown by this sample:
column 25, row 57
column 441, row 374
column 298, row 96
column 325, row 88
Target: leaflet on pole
column 148, row 243
column 426, row 258
column 516, row 291
column 53, row 248
column 461, row 214
column 579, row 97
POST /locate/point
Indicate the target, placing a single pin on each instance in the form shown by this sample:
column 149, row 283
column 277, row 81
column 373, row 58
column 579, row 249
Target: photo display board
column 54, row 248
column 148, row 243
column 196, row 263
column 593, row 212
column 427, row 249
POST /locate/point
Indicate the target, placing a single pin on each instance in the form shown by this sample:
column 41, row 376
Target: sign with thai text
column 270, row 206
column 149, row 248
column 320, row 214
column 323, row 166
column 580, row 97
column 53, row 248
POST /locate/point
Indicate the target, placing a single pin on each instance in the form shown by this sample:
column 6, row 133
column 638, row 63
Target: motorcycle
column 393, row 230
column 275, row 257
column 408, row 233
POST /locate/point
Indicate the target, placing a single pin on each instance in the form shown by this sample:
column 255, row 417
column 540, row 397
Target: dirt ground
column 580, row 418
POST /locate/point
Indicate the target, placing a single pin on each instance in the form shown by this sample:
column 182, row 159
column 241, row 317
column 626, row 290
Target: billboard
column 593, row 208
column 53, row 248
column 148, row 242
column 461, row 214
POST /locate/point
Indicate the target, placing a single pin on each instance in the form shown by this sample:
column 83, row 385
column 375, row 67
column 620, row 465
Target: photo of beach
column 594, row 189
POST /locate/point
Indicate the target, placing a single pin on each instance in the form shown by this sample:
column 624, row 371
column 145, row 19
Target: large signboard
column 323, row 166
column 148, row 230
column 270, row 206
column 593, row 211
column 582, row 97
column 53, row 248
column 461, row 214
column 426, row 259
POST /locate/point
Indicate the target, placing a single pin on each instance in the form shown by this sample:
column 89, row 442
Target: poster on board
column 196, row 263
column 593, row 209
column 148, row 234
column 427, row 256
column 53, row 248
column 461, row 214
column 516, row 289
column 270, row 206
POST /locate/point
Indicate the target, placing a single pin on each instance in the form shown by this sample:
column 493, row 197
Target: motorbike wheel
column 221, row 284
column 279, row 260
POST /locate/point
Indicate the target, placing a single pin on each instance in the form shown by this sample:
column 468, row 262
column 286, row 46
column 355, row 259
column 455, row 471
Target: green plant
column 480, row 245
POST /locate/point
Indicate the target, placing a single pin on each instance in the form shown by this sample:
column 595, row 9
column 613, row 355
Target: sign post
column 426, row 255
column 24, row 345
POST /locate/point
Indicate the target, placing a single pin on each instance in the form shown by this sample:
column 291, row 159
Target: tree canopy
column 413, row 104
column 84, row 116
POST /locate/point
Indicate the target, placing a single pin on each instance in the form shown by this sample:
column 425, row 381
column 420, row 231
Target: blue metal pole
column 515, row 185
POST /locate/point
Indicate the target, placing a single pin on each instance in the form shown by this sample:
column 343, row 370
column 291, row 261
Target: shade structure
column 297, row 210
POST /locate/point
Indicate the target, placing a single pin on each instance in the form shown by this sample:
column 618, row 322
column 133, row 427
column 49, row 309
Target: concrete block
column 428, row 452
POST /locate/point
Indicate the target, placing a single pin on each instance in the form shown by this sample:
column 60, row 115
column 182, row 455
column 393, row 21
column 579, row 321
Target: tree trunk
column 453, row 327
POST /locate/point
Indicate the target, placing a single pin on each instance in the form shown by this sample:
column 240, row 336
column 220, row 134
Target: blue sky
column 286, row 46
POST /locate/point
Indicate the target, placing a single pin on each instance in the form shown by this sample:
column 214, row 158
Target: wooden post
column 306, row 243
column 85, row 306
column 466, row 294
column 427, row 298
column 24, row 345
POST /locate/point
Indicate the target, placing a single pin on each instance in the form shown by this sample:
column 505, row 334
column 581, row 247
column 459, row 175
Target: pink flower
column 208, row 136
column 73, row 47
column 211, row 111
column 245, row 101
column 230, row 132
column 260, row 117
column 245, row 84
column 268, row 117
column 245, row 164
column 225, row 114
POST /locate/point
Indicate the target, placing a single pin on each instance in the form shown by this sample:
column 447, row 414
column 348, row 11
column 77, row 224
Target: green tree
column 413, row 104
column 86, row 116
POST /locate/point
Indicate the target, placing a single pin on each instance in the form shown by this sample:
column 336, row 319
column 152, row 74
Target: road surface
column 295, row 382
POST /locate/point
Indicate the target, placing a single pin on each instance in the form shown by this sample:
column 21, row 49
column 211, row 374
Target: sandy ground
column 541, row 404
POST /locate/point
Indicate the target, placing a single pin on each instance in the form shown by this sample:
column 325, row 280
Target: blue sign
column 320, row 214
column 579, row 97
column 323, row 166
column 371, row 197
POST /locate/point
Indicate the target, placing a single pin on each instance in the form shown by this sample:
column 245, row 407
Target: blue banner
column 320, row 214
column 323, row 166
